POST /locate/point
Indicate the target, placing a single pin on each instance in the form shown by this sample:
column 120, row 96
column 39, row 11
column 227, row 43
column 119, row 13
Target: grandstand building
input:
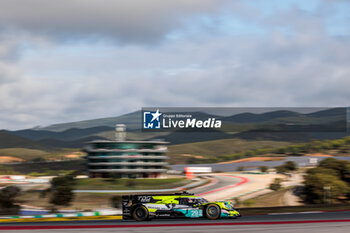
column 126, row 159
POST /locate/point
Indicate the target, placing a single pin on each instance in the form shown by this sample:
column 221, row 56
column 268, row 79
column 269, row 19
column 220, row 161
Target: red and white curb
column 64, row 215
column 243, row 181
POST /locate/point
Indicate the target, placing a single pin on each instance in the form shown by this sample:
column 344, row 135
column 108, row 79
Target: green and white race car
column 147, row 207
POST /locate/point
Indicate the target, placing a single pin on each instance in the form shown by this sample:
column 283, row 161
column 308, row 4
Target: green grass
column 26, row 168
column 214, row 148
column 23, row 153
column 30, row 154
column 125, row 184
column 265, row 200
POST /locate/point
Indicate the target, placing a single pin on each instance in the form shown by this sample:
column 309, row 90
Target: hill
column 238, row 122
column 132, row 120
column 13, row 141
column 278, row 126
column 25, row 168
column 263, row 117
column 24, row 153
column 69, row 144
column 200, row 152
column 19, row 147
column 287, row 116
column 66, row 135
column 335, row 112
column 180, row 137
column 9, row 159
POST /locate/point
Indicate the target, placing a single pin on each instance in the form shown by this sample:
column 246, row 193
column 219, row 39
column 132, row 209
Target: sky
column 72, row 60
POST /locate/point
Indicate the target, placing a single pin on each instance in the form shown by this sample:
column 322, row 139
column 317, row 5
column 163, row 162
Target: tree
column 337, row 143
column 61, row 189
column 325, row 145
column 322, row 170
column 264, row 168
column 330, row 180
column 290, row 166
column 281, row 169
column 330, row 163
column 344, row 149
column 8, row 198
column 315, row 146
column 62, row 195
column 315, row 185
column 116, row 201
column 38, row 159
column 281, row 150
column 294, row 150
column 5, row 170
column 250, row 153
column 345, row 172
column 192, row 160
column 276, row 184
column 286, row 167
column 342, row 166
column 347, row 140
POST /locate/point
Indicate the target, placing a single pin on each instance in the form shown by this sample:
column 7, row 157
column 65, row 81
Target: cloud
column 292, row 60
column 9, row 72
column 126, row 21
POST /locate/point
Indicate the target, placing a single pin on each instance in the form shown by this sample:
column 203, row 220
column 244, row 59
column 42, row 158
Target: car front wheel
column 212, row 211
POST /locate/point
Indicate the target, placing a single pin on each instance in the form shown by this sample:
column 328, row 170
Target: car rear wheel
column 140, row 213
column 212, row 211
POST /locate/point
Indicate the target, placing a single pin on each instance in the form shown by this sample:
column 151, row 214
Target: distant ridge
column 329, row 112
column 66, row 135
column 80, row 143
column 179, row 137
column 249, row 126
column 132, row 120
column 254, row 118
column 13, row 141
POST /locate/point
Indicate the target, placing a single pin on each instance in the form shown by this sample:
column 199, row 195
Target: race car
column 147, row 207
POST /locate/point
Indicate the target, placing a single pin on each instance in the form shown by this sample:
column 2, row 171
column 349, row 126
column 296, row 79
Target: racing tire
column 140, row 213
column 212, row 212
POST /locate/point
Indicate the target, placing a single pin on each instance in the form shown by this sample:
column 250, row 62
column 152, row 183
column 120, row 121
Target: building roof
column 127, row 141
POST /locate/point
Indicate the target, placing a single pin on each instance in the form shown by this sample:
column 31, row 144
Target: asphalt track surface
column 218, row 182
column 333, row 222
column 281, row 223
column 301, row 161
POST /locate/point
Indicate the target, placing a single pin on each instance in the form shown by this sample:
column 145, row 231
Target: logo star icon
column 156, row 115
